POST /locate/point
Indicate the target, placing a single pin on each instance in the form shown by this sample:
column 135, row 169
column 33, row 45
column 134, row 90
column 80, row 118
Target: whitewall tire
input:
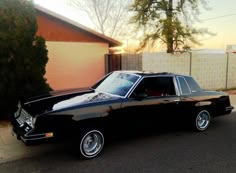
column 91, row 143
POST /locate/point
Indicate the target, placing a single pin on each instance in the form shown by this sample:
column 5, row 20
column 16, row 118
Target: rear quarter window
column 183, row 86
column 193, row 85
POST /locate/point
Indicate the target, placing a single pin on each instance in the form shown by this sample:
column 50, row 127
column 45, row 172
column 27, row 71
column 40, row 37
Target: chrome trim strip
column 177, row 90
column 40, row 134
column 180, row 89
column 229, row 108
column 134, row 86
column 34, row 139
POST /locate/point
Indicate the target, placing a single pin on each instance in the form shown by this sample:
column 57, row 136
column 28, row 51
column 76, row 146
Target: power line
column 228, row 15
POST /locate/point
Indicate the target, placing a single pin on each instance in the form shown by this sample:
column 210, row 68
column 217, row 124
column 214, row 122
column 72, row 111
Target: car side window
column 193, row 85
column 155, row 86
column 183, row 86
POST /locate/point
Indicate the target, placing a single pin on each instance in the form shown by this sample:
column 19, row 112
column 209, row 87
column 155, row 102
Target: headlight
column 17, row 113
column 31, row 121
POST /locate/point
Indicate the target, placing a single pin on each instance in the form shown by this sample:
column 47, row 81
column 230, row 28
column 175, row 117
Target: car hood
column 62, row 99
column 82, row 99
column 57, row 93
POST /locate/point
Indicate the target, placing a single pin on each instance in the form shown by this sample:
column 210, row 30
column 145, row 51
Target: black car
column 121, row 100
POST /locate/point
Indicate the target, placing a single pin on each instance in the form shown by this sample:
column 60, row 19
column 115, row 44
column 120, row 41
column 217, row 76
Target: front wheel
column 201, row 120
column 91, row 143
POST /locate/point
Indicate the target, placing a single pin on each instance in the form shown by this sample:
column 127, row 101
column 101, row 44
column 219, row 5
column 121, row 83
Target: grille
column 23, row 117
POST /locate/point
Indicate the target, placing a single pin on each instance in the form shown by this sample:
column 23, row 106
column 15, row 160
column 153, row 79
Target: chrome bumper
column 31, row 137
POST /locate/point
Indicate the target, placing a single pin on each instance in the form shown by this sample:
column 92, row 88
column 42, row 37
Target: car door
column 153, row 100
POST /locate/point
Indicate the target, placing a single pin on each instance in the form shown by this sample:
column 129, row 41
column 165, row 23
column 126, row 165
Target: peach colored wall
column 73, row 65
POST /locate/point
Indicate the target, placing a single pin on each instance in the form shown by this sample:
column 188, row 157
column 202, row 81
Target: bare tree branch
column 109, row 16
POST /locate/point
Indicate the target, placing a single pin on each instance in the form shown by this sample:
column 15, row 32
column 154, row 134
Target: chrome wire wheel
column 203, row 120
column 91, row 144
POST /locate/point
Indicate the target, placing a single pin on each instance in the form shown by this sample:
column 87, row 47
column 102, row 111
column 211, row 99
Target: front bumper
column 27, row 137
column 24, row 129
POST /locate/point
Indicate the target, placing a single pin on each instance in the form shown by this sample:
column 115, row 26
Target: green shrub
column 23, row 55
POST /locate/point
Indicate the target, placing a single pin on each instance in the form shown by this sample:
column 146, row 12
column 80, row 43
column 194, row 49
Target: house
column 76, row 53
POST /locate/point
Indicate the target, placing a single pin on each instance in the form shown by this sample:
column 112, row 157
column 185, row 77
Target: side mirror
column 141, row 96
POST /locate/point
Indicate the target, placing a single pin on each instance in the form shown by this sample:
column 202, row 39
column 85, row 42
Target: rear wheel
column 201, row 121
column 91, row 143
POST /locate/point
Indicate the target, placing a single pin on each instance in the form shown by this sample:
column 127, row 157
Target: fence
column 211, row 70
column 113, row 62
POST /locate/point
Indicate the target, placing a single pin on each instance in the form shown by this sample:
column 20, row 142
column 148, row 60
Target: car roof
column 149, row 73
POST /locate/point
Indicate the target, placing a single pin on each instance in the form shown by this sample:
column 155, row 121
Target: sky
column 219, row 19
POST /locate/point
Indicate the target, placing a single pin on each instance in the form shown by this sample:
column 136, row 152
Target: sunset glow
column 220, row 20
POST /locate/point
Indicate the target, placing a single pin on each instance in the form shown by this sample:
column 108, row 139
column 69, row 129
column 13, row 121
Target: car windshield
column 117, row 83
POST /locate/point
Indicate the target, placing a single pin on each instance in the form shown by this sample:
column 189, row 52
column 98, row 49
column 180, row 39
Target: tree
column 168, row 21
column 23, row 55
column 108, row 16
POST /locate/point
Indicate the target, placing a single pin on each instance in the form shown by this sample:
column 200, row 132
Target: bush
column 23, row 55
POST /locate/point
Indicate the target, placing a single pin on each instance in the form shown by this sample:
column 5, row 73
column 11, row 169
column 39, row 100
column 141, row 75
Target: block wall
column 213, row 71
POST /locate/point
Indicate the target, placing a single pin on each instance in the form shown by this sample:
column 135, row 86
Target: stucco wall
column 209, row 69
column 74, row 64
